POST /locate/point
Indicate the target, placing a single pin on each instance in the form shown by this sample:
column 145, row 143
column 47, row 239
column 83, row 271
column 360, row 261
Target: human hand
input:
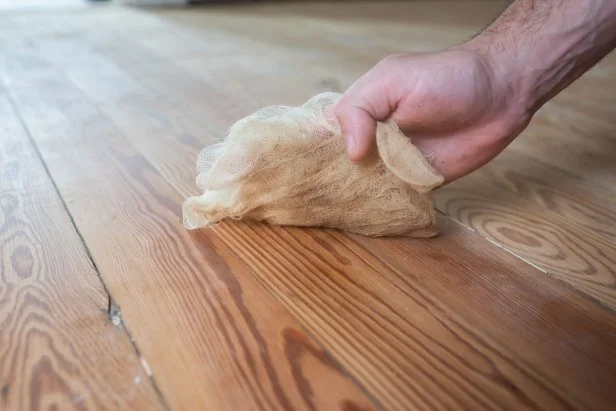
column 449, row 103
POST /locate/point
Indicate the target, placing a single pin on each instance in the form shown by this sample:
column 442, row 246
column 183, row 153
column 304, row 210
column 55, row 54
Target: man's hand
column 448, row 103
column 463, row 106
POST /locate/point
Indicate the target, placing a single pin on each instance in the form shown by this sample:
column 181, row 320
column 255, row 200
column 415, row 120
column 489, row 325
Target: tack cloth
column 288, row 166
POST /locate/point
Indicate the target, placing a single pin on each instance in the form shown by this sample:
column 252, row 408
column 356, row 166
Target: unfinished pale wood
column 212, row 337
column 58, row 347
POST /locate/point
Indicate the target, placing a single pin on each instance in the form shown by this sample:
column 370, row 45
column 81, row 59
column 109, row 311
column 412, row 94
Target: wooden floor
column 107, row 302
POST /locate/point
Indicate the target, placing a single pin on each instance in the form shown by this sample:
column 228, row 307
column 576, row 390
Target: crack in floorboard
column 113, row 311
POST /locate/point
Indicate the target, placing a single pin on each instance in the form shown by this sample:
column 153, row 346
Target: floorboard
column 58, row 346
column 211, row 336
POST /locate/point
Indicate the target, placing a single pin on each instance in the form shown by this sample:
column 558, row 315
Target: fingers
column 359, row 130
column 358, row 111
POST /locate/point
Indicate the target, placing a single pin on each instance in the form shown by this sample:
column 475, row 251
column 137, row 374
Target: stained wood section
column 211, row 335
column 58, row 348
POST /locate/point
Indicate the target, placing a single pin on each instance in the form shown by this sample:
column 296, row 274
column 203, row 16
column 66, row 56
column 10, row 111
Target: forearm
column 539, row 47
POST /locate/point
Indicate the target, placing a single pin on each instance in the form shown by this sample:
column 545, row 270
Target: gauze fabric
column 288, row 166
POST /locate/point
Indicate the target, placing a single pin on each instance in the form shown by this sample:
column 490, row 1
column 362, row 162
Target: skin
column 466, row 104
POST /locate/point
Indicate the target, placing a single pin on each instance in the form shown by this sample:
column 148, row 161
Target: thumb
column 357, row 113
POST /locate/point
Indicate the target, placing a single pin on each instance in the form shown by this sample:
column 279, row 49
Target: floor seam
column 113, row 311
column 586, row 296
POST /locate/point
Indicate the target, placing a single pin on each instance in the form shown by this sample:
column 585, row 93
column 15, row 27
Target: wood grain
column 58, row 348
column 574, row 253
column 335, row 287
column 575, row 132
column 453, row 323
column 570, row 236
column 190, row 303
column 398, row 331
column 547, row 326
column 560, row 192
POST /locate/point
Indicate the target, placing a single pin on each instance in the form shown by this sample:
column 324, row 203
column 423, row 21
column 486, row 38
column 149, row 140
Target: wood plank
column 561, row 192
column 581, row 256
column 548, row 327
column 439, row 292
column 352, row 301
column 191, row 305
column 58, row 348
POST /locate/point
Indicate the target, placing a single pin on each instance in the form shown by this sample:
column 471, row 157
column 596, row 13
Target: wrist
column 534, row 53
column 512, row 106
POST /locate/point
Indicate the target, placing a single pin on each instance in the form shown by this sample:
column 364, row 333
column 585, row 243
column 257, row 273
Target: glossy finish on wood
column 514, row 313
